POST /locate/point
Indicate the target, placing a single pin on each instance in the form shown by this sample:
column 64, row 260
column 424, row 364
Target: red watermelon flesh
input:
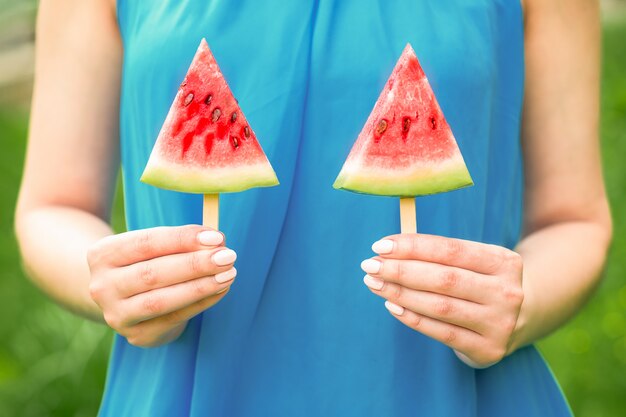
column 406, row 147
column 206, row 144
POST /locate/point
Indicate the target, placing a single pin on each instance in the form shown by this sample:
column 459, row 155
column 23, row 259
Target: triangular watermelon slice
column 206, row 145
column 406, row 147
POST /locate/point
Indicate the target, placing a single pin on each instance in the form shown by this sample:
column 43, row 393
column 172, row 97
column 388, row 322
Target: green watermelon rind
column 198, row 181
column 417, row 181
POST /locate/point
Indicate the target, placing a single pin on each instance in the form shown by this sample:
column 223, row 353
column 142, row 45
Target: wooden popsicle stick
column 211, row 211
column 408, row 221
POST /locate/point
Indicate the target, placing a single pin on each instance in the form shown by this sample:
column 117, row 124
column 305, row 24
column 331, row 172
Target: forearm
column 53, row 241
column 562, row 266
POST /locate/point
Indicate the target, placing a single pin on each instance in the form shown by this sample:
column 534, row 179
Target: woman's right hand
column 150, row 282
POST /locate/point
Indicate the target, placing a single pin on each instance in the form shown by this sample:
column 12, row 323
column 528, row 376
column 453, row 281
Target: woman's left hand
column 465, row 294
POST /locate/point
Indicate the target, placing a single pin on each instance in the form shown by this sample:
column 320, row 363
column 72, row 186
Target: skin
column 483, row 301
column 62, row 215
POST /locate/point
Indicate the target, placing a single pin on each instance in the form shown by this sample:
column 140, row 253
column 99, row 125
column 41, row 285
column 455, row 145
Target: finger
column 187, row 313
column 172, row 269
column 162, row 301
column 468, row 361
column 453, row 336
column 433, row 277
column 157, row 331
column 475, row 256
column 440, row 307
column 139, row 245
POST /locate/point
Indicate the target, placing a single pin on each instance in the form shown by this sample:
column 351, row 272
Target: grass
column 54, row 364
column 51, row 362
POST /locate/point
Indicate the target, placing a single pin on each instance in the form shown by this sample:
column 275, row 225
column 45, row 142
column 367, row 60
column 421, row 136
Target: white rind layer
column 201, row 180
column 422, row 178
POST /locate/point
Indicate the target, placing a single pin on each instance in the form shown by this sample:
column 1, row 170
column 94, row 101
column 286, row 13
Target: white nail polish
column 394, row 308
column 371, row 266
column 226, row 276
column 383, row 246
column 373, row 283
column 224, row 257
column 210, row 238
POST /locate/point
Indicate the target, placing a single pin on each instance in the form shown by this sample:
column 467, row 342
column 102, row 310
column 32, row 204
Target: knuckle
column 495, row 262
column 406, row 245
column 147, row 275
column 96, row 253
column 144, row 243
column 185, row 235
column 402, row 271
column 443, row 307
column 198, row 264
column 95, row 290
column 450, row 336
column 153, row 305
column 494, row 258
column 415, row 321
column 453, row 249
column 201, row 286
column 396, row 293
column 514, row 294
column 449, row 279
column 93, row 255
column 181, row 236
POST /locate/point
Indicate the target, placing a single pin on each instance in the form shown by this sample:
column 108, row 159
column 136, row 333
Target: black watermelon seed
column 382, row 126
column 188, row 99
column 216, row 114
column 406, row 124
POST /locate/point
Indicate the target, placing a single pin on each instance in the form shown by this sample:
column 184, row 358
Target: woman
column 300, row 335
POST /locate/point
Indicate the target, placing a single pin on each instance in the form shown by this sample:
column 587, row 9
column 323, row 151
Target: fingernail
column 210, row 238
column 224, row 257
column 371, row 266
column 226, row 276
column 373, row 283
column 394, row 308
column 383, row 246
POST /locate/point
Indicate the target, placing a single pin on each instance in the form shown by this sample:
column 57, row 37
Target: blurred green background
column 54, row 364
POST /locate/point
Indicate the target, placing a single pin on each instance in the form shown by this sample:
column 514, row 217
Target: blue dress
column 299, row 334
